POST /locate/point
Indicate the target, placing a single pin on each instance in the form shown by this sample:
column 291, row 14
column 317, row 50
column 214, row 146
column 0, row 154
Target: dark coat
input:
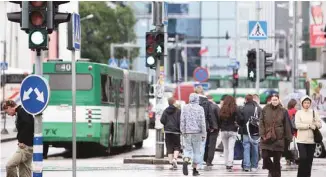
column 25, row 127
column 282, row 127
column 247, row 111
column 171, row 119
column 215, row 117
column 203, row 101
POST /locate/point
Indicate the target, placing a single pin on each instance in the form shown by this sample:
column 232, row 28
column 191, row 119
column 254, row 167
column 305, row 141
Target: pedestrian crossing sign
column 257, row 30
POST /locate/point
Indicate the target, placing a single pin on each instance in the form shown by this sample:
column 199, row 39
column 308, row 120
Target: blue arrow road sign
column 76, row 31
column 257, row 30
column 4, row 65
column 34, row 94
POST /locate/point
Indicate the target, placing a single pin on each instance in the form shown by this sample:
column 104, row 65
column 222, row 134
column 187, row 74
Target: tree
column 107, row 26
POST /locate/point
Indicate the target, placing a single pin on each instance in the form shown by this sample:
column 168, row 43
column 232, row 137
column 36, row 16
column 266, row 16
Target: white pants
column 228, row 140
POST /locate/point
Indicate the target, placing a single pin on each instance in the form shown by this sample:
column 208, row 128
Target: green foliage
column 117, row 24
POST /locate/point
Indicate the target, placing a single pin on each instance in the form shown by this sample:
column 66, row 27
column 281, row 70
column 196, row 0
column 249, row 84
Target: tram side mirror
column 151, row 90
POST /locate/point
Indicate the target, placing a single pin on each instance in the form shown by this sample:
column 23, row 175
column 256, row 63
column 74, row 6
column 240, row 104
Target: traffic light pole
column 294, row 44
column 257, row 51
column 157, row 22
column 38, row 137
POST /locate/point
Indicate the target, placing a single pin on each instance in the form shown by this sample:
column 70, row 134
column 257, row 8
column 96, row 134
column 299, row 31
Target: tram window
column 132, row 92
column 143, row 93
column 104, row 94
column 63, row 81
column 121, row 92
column 137, row 93
column 107, row 89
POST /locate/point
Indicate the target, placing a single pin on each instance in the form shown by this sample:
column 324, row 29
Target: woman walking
column 193, row 129
column 228, row 122
column 291, row 111
column 306, row 120
column 274, row 130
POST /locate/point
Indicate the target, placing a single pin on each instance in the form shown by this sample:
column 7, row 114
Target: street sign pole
column 257, row 51
column 74, row 43
column 4, row 116
column 38, row 126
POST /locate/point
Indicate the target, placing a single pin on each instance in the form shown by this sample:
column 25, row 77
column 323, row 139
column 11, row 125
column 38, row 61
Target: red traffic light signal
column 149, row 49
column 37, row 14
column 236, row 76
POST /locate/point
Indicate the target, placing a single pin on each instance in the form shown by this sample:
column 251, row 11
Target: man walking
column 212, row 134
column 171, row 121
column 22, row 159
column 203, row 101
column 193, row 129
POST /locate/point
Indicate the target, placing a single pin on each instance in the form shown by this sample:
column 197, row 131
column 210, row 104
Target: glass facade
column 205, row 23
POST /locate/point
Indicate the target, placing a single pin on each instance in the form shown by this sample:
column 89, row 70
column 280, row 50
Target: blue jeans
column 192, row 146
column 251, row 152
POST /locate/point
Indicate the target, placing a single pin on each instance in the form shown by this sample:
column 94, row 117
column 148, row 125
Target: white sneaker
column 254, row 169
column 174, row 163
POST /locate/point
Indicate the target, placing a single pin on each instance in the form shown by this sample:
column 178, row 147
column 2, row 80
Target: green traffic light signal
column 38, row 39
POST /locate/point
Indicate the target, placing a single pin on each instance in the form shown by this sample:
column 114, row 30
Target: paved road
column 103, row 166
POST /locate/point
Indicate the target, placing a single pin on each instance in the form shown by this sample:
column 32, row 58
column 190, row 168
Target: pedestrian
column 221, row 101
column 249, row 123
column 291, row 111
column 306, row 120
column 228, row 116
column 203, row 101
column 212, row 134
column 193, row 129
column 274, row 129
column 22, row 159
column 256, row 98
column 171, row 121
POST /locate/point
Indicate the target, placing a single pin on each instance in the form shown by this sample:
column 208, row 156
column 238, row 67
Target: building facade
column 206, row 23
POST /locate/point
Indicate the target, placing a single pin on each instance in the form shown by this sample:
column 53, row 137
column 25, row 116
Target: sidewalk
column 10, row 126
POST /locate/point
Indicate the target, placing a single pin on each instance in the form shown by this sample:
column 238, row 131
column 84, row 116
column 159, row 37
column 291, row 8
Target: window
column 209, row 9
column 143, row 93
column 107, row 89
column 121, row 91
column 227, row 26
column 132, row 92
column 227, row 9
column 212, row 46
column 63, row 81
column 12, row 78
column 209, row 28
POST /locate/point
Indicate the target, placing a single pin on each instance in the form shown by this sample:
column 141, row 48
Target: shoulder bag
column 318, row 138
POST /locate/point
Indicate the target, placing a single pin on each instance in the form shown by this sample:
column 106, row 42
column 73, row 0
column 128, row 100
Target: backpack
column 206, row 105
column 254, row 120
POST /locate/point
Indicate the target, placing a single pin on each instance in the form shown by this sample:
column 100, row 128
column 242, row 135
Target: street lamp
column 90, row 16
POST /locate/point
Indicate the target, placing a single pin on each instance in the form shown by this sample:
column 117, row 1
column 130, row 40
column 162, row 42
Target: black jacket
column 171, row 119
column 230, row 123
column 25, row 127
column 214, row 115
column 247, row 111
column 203, row 101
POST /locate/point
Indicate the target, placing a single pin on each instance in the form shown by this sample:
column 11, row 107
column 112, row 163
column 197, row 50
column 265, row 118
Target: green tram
column 111, row 106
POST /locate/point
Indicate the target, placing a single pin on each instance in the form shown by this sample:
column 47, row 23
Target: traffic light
column 154, row 48
column 55, row 17
column 267, row 64
column 251, row 64
column 325, row 31
column 38, row 34
column 235, row 78
column 20, row 17
column 150, row 48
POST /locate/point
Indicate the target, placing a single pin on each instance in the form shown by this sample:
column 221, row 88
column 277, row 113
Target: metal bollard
column 4, row 131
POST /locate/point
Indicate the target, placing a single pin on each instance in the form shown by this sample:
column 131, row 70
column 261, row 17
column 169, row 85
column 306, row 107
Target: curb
column 151, row 161
column 8, row 139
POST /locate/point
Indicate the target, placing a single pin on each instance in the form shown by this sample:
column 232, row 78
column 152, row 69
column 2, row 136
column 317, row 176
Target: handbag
column 318, row 137
column 254, row 120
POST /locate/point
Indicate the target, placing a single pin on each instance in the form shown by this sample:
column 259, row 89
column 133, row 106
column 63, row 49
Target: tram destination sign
column 63, row 67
